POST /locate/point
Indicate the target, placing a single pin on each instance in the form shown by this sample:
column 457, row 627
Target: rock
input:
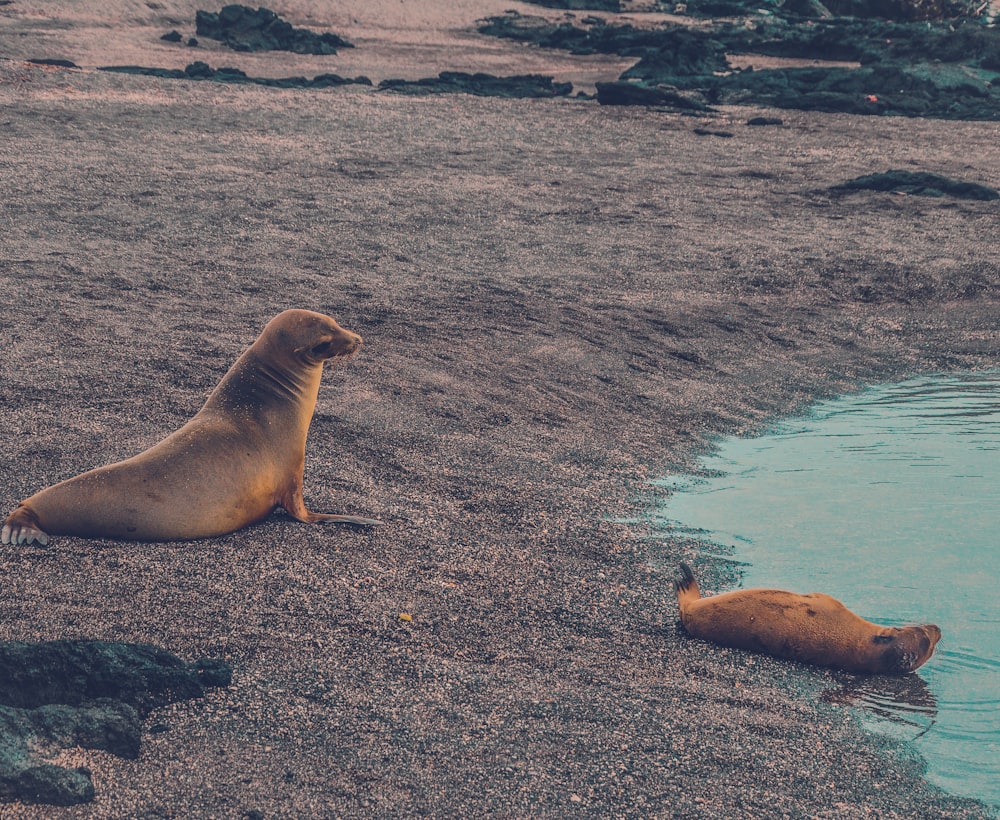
column 83, row 693
column 914, row 91
column 868, row 41
column 758, row 121
column 909, row 10
column 54, row 63
column 106, row 724
column 621, row 93
column 580, row 5
column 927, row 69
column 172, row 36
column 74, row 672
column 481, row 85
column 597, row 39
column 919, row 183
column 812, row 9
column 45, row 783
column 243, row 29
column 202, row 71
column 680, row 52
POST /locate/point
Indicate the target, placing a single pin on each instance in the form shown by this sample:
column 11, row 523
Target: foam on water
column 890, row 501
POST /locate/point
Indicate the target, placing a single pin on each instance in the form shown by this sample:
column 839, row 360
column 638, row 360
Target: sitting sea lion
column 813, row 628
column 241, row 456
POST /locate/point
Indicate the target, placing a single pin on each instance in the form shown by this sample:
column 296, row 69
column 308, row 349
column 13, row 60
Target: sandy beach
column 560, row 302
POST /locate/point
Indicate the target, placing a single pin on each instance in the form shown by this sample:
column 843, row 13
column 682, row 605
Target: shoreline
column 558, row 301
column 840, row 443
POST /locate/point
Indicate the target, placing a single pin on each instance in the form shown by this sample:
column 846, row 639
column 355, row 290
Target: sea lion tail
column 686, row 586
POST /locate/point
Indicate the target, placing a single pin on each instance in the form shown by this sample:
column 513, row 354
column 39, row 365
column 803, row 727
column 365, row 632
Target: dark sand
column 559, row 301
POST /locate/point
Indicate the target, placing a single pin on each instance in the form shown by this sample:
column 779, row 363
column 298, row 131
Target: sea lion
column 240, row 457
column 813, row 628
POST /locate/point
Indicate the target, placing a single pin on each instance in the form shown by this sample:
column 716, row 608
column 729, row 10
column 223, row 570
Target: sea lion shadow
column 901, row 704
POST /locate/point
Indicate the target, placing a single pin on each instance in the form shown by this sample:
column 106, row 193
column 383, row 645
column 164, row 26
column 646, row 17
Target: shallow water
column 890, row 501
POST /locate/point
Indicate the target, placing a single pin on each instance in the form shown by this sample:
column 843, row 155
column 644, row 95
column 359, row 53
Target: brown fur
column 813, row 628
column 241, row 456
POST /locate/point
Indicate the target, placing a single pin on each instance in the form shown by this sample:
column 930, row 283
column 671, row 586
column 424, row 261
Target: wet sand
column 559, row 302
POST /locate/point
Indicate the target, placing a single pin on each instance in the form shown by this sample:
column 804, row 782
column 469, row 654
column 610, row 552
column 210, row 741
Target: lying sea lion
column 240, row 457
column 813, row 628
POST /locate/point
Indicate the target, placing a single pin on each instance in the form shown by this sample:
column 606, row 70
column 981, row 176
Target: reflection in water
column 905, row 706
column 890, row 502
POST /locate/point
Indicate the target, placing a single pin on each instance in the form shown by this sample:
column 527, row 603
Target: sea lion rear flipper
column 296, row 508
column 686, row 583
column 688, row 591
column 22, row 527
column 318, row 518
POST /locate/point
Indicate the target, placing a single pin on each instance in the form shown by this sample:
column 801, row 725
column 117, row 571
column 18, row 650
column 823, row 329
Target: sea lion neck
column 265, row 384
column 297, row 382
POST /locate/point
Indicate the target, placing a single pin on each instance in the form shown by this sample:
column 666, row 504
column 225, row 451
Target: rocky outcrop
column 83, row 693
column 203, row 71
column 580, row 5
column 919, row 183
column 481, row 85
column 243, row 29
column 928, row 69
column 621, row 93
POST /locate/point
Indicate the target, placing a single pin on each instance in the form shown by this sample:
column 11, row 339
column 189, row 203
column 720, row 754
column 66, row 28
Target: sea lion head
column 907, row 648
column 310, row 337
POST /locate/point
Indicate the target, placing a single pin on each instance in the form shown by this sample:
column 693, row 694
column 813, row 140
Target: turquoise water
column 890, row 501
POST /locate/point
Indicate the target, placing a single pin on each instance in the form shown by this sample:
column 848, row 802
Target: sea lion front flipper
column 22, row 527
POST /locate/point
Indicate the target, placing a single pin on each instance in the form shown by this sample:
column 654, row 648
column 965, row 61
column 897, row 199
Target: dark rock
column 56, row 63
column 680, row 52
column 192, row 43
column 243, row 29
column 620, row 93
column 946, row 70
column 919, row 183
column 906, row 10
column 757, row 121
column 481, row 85
column 83, row 693
column 729, row 8
column 922, row 90
column 105, row 724
column 580, row 5
column 74, row 672
column 213, row 672
column 813, row 9
column 706, row 132
column 202, row 71
column 172, row 36
column 53, row 785
column 868, row 41
column 910, row 10
column 599, row 39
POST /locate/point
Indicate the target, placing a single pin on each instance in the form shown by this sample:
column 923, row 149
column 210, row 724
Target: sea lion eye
column 322, row 349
